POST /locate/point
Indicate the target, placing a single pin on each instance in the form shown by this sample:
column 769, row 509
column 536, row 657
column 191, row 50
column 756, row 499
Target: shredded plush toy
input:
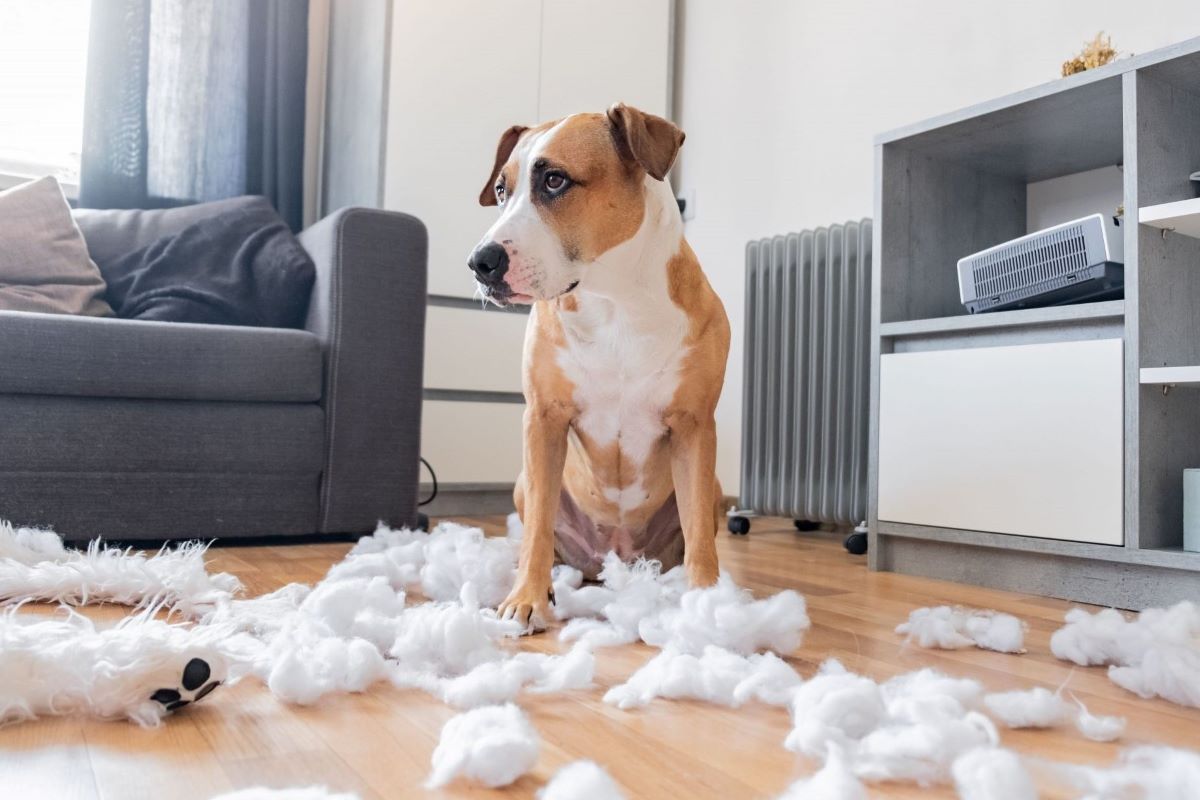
column 141, row 669
column 35, row 565
column 492, row 746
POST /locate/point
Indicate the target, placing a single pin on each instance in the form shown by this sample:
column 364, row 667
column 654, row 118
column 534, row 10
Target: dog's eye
column 501, row 193
column 555, row 182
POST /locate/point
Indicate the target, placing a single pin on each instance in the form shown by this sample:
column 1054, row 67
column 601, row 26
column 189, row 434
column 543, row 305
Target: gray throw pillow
column 44, row 263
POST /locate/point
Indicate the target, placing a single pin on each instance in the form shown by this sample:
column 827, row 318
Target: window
column 43, row 58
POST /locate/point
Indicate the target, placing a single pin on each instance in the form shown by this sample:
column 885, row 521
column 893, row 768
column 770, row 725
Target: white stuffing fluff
column 922, row 747
column 910, row 729
column 949, row 628
column 1150, row 772
column 834, row 781
column 68, row 666
column 1028, row 708
column 500, row 681
column 308, row 793
column 717, row 676
column 492, row 745
column 456, row 555
column 992, row 773
column 728, row 616
column 450, row 638
column 638, row 601
column 1157, row 654
column 35, row 565
column 581, row 780
column 1095, row 727
column 834, row 707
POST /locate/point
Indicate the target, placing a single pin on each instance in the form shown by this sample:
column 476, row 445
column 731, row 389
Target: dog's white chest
column 625, row 370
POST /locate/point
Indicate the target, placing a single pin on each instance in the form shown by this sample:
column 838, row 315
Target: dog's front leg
column 545, row 453
column 693, row 442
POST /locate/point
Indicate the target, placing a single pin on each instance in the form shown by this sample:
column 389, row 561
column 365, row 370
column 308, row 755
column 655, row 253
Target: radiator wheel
column 856, row 543
column 738, row 526
column 806, row 525
column 422, row 521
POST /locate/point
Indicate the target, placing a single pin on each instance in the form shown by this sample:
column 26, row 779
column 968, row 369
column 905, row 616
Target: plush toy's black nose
column 489, row 262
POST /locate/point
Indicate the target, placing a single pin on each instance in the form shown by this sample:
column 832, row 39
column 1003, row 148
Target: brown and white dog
column 624, row 353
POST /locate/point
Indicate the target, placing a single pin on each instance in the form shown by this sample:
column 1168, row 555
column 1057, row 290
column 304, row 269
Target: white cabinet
column 1020, row 440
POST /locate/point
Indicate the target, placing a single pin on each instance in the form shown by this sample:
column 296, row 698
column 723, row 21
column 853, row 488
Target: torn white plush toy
column 1156, row 654
column 1150, row 772
column 1028, row 708
column 949, row 628
column 581, row 780
column 35, row 565
column 140, row 669
column 834, row 781
column 992, row 773
column 717, row 676
column 306, row 793
column 492, row 746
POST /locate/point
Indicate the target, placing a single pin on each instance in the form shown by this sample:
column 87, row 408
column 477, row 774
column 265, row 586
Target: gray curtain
column 195, row 100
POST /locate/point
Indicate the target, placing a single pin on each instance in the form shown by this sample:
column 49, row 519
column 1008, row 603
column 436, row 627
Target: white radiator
column 804, row 429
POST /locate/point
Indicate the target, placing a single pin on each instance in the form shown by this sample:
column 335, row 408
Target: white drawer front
column 472, row 442
column 1022, row 440
column 467, row 349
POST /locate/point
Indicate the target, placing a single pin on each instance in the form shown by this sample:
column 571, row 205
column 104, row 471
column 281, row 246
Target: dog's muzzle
column 489, row 262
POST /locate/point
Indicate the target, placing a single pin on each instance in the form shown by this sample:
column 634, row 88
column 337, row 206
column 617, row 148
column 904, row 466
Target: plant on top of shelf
column 1096, row 53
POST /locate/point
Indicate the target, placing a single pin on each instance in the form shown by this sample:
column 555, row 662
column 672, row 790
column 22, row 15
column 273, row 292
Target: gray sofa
column 146, row 430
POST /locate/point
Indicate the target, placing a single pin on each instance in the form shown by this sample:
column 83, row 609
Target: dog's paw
column 195, row 683
column 528, row 605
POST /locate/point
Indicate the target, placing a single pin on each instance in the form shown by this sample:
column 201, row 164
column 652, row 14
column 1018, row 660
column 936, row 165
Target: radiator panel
column 804, row 427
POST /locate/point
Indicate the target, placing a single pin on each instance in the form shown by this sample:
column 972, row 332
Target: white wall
column 781, row 101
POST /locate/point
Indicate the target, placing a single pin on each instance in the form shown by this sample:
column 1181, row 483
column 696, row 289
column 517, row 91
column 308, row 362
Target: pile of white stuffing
column 414, row 609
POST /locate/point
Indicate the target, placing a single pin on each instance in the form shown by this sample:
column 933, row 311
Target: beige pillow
column 44, row 263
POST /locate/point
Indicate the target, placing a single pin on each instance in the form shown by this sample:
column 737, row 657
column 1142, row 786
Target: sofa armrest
column 368, row 310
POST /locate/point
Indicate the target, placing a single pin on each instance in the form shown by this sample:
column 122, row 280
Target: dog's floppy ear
column 508, row 141
column 650, row 141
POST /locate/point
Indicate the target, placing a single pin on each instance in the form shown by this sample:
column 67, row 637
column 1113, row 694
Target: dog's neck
column 628, row 284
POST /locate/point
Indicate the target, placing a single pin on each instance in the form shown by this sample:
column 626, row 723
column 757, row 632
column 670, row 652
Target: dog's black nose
column 489, row 262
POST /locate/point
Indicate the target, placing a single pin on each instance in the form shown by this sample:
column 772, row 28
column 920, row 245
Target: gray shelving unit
column 956, row 184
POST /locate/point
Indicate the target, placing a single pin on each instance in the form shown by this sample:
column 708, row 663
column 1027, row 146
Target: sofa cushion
column 44, row 264
column 94, row 434
column 87, row 356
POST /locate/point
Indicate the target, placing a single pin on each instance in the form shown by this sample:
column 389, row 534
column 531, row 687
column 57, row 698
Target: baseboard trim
column 468, row 499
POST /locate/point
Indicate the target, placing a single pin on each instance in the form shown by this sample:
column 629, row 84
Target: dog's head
column 568, row 192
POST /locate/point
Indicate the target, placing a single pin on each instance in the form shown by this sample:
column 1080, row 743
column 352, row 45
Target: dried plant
column 1096, row 53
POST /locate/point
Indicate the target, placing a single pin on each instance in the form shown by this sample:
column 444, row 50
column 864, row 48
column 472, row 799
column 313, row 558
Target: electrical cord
column 433, row 476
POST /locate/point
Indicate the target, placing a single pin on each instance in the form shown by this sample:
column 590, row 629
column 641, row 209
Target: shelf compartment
column 1182, row 217
column 1108, row 309
column 1170, row 376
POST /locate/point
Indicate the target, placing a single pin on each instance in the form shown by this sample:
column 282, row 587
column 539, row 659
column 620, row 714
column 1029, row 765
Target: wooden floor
column 378, row 744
